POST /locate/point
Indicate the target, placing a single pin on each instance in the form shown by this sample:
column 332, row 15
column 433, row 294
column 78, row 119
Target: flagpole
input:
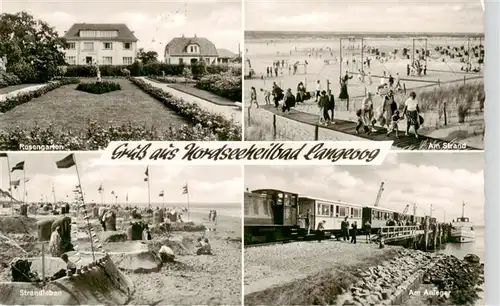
column 163, row 199
column 83, row 198
column 24, row 185
column 149, row 190
column 10, row 187
column 187, row 193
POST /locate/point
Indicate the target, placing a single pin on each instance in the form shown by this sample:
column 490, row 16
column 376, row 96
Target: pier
column 427, row 237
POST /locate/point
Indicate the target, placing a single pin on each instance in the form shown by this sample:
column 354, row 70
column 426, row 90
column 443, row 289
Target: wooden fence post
column 445, row 115
column 316, row 132
column 248, row 116
column 347, row 104
column 274, row 126
column 465, row 79
column 404, row 88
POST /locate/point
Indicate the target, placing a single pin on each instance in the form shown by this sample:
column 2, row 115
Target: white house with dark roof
column 190, row 50
column 106, row 44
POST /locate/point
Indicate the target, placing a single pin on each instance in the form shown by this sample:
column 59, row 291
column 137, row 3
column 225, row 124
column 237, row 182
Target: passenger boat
column 462, row 230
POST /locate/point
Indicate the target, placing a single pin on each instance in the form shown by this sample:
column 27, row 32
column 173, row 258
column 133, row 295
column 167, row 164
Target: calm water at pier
column 461, row 249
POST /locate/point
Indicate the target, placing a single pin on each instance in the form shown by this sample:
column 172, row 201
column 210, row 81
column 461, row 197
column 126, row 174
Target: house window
column 87, row 33
column 192, row 49
column 127, row 60
column 181, row 61
column 127, row 46
column 255, row 206
column 88, row 46
column 107, row 60
column 71, row 60
column 89, row 60
column 71, row 46
column 108, row 46
column 207, row 60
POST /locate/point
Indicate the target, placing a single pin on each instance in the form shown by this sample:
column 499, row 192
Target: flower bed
column 226, row 85
column 24, row 97
column 98, row 137
column 170, row 79
column 223, row 128
column 98, row 87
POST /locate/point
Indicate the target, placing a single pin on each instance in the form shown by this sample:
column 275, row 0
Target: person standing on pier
column 323, row 114
column 267, row 96
column 306, row 221
column 253, row 98
column 354, row 232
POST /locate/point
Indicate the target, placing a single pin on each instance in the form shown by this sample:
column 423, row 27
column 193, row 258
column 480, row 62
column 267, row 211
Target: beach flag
column 67, row 162
column 113, row 192
column 18, row 166
column 26, row 180
column 147, row 174
column 15, row 183
column 100, row 189
column 185, row 189
column 126, row 197
column 161, row 194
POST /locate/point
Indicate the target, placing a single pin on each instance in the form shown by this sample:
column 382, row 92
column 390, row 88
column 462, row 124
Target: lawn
column 70, row 110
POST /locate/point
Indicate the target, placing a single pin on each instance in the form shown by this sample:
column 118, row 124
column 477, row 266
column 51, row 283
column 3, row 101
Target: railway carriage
column 377, row 216
column 332, row 212
column 270, row 215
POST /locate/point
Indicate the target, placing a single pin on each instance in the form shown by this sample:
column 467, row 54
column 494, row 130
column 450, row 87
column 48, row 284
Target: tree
column 147, row 57
column 30, row 44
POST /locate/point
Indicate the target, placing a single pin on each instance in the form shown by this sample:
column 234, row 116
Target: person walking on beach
column 253, row 98
column 388, row 108
column 323, row 101
column 368, row 231
column 320, row 231
column 210, row 216
column 354, row 232
column 214, row 217
column 394, row 124
column 366, row 114
column 276, row 70
column 318, row 90
column 277, row 95
column 267, row 96
column 331, row 105
column 412, row 112
column 289, row 101
column 408, row 70
column 301, row 92
column 398, row 83
column 370, row 80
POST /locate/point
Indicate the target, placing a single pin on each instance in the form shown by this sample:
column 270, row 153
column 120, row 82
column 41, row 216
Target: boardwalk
column 349, row 127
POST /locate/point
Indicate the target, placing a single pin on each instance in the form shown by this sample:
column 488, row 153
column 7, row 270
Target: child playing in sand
column 394, row 124
column 70, row 266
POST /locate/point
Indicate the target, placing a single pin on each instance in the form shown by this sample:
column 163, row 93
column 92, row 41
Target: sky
column 364, row 15
column 206, row 184
column 219, row 21
column 443, row 180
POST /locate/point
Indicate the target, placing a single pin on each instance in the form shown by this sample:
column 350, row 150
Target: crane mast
column 379, row 195
column 406, row 209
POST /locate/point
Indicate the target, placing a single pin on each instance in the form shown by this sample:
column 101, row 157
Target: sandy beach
column 323, row 64
column 191, row 279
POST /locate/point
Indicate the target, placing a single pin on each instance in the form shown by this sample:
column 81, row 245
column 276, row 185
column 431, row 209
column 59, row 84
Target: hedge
column 138, row 69
column 223, row 128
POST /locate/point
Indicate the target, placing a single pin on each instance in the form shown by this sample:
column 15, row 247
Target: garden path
column 4, row 96
column 230, row 112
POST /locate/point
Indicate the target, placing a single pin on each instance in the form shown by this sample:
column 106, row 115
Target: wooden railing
column 392, row 233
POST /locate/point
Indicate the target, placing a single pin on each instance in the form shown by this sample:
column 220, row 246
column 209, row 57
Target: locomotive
column 275, row 215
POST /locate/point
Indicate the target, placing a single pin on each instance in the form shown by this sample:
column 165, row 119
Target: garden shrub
column 98, row 87
column 223, row 128
column 225, row 85
column 26, row 72
column 27, row 96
